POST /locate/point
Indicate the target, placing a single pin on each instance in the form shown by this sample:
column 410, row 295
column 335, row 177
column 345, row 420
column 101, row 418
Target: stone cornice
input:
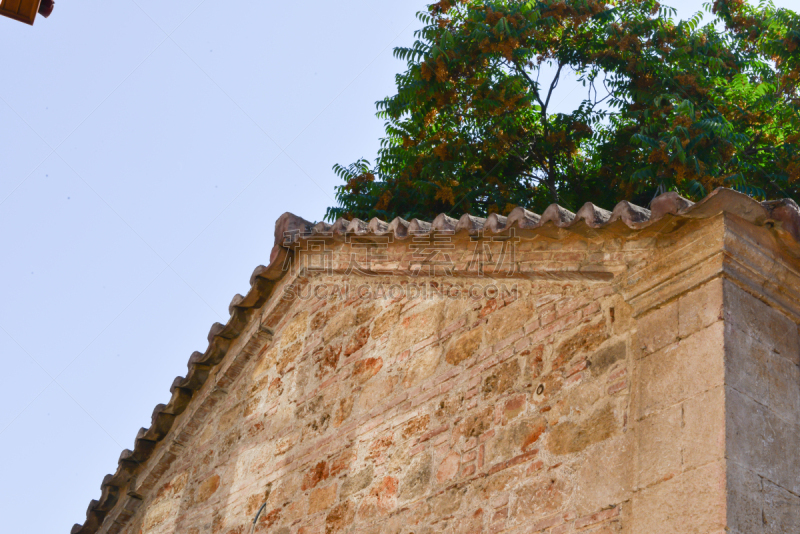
column 678, row 263
column 758, row 258
column 758, row 261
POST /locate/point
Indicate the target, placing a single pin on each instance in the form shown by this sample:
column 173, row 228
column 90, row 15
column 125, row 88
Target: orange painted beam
column 21, row 10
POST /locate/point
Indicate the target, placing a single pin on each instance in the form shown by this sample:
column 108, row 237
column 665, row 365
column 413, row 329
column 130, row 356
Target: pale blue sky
column 147, row 148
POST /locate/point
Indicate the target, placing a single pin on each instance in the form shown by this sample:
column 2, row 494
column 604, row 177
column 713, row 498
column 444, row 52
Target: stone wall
column 718, row 429
column 762, row 389
column 641, row 384
column 679, row 411
column 426, row 415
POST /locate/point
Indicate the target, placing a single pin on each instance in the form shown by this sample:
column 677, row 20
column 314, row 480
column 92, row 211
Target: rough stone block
column 781, row 510
column 321, row 499
column 761, row 322
column 658, row 328
column 693, row 502
column 746, row 364
column 760, row 440
column 745, row 500
column 570, row 436
column 605, row 358
column 700, row 308
column 505, row 321
column 784, row 388
column 746, row 432
column 703, row 432
column 782, row 442
column 607, row 480
column 680, row 371
column 207, row 489
column 658, row 447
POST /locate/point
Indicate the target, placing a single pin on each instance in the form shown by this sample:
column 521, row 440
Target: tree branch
column 553, row 85
column 534, row 84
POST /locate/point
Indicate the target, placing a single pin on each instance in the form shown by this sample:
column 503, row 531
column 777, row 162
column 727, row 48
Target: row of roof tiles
column 633, row 216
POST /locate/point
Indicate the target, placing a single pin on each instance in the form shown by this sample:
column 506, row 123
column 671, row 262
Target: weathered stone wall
column 717, row 407
column 679, row 412
column 762, row 415
column 643, row 385
column 423, row 415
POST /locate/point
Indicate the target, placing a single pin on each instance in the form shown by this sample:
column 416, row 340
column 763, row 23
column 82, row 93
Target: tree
column 670, row 105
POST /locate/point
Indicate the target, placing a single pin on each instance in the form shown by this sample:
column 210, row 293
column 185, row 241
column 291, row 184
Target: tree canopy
column 669, row 105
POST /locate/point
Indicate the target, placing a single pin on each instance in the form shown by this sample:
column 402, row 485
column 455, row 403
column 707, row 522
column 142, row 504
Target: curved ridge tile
column 668, row 203
column 236, row 322
column 93, row 518
column 289, row 227
column 724, row 199
column 257, row 272
column 125, row 461
column 399, row 227
column 176, row 384
column 270, row 273
column 196, row 377
column 592, row 215
column 217, row 349
column 558, row 215
column 470, row 223
column 216, row 330
column 143, row 447
column 197, row 358
column 142, row 434
column 161, row 421
column 233, row 327
column 495, row 223
column 120, row 477
column 180, row 397
column 444, row 223
column 255, row 294
column 378, row 226
column 787, row 212
column 321, row 228
column 92, row 505
column 523, row 218
column 150, row 434
column 339, row 227
column 358, row 227
column 109, row 495
column 236, row 302
column 417, row 226
column 198, row 373
column 630, row 214
column 109, row 498
column 107, row 482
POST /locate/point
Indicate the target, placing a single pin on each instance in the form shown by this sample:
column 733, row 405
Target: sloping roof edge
column 783, row 215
